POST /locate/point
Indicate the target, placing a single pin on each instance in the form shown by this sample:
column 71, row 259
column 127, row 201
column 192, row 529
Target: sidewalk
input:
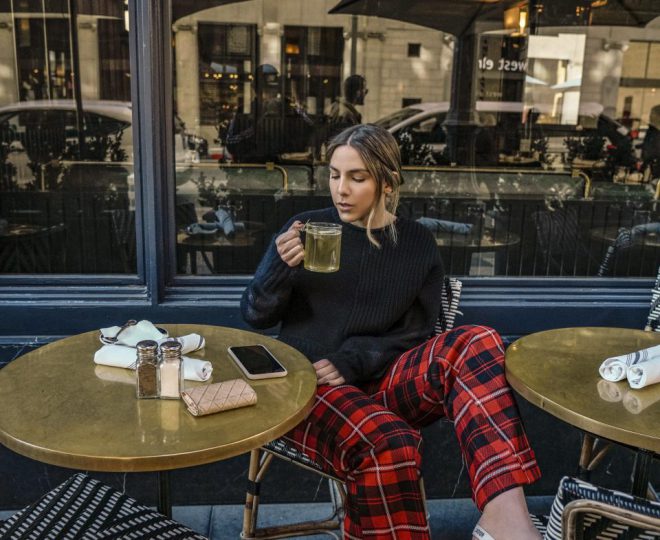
column 451, row 519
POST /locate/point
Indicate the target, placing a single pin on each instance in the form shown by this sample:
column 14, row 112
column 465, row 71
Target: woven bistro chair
column 654, row 311
column 583, row 511
column 261, row 458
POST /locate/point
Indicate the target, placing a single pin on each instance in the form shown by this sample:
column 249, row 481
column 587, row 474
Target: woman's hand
column 289, row 245
column 326, row 373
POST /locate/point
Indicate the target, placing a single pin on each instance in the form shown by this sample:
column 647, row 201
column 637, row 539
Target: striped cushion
column 282, row 449
column 571, row 489
column 451, row 295
column 540, row 522
column 85, row 508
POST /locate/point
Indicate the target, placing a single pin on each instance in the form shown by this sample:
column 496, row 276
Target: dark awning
column 446, row 15
column 456, row 17
column 106, row 8
column 181, row 8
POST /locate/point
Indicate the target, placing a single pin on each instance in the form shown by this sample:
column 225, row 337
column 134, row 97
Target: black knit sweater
column 382, row 301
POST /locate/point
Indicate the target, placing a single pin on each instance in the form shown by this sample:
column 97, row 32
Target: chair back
column 560, row 243
column 623, row 240
column 451, row 295
column 123, row 230
column 582, row 510
column 654, row 311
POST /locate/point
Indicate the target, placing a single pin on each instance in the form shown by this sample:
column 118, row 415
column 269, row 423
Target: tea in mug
column 322, row 247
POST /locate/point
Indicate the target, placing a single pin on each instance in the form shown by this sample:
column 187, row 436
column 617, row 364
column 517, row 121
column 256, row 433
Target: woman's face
column 354, row 191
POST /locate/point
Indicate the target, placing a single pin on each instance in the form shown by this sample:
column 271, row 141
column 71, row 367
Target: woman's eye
column 356, row 179
column 334, row 176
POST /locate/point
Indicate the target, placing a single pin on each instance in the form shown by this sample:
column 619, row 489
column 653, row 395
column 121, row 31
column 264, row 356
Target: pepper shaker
column 171, row 370
column 146, row 370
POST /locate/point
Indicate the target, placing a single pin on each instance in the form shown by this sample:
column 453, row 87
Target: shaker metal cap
column 170, row 347
column 147, row 346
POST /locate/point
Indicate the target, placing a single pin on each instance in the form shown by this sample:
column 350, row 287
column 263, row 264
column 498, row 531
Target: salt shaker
column 146, row 370
column 171, row 370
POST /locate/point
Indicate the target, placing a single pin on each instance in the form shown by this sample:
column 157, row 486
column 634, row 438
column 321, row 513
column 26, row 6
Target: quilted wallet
column 216, row 397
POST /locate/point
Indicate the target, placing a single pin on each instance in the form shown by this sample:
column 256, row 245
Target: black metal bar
column 164, row 500
column 151, row 69
column 641, row 472
column 77, row 89
column 354, row 40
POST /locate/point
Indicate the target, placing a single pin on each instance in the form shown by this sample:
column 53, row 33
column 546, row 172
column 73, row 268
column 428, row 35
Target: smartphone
column 256, row 362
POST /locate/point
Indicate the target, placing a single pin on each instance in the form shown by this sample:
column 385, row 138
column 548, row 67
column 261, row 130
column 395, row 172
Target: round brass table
column 557, row 370
column 58, row 407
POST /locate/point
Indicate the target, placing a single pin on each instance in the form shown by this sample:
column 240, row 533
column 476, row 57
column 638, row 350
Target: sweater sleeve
column 266, row 298
column 364, row 358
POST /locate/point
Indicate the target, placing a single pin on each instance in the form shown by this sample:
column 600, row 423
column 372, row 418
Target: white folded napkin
column 617, row 368
column 645, row 373
column 189, row 343
column 131, row 335
column 125, row 357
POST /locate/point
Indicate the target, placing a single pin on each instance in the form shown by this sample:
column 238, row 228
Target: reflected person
column 343, row 112
column 272, row 126
column 651, row 144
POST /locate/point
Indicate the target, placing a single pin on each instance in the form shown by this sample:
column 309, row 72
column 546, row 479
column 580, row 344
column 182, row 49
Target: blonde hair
column 381, row 156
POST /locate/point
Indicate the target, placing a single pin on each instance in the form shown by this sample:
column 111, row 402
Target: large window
column 536, row 128
column 67, row 188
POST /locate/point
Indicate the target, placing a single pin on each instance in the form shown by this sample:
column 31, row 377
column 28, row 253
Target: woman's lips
column 345, row 207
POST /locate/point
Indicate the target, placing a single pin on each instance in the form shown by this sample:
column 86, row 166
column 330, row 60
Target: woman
column 366, row 329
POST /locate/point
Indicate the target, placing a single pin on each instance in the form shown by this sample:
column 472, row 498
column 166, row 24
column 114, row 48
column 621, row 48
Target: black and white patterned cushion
column 451, row 295
column 84, row 508
column 571, row 489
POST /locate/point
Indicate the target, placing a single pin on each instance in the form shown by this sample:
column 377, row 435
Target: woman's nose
column 343, row 185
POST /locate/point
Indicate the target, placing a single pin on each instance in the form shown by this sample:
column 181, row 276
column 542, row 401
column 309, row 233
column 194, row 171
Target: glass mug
column 322, row 247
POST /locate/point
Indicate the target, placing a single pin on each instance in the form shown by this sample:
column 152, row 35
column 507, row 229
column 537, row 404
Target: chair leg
column 258, row 465
column 590, row 456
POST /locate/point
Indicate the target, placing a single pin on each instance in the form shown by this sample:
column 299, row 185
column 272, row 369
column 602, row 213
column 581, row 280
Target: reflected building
column 545, row 107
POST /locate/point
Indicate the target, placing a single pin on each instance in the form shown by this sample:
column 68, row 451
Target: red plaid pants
column 369, row 436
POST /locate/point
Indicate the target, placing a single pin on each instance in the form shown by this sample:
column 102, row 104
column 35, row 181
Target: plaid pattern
column 369, row 436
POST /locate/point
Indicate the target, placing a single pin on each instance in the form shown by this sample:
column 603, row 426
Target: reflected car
column 424, row 123
column 48, row 129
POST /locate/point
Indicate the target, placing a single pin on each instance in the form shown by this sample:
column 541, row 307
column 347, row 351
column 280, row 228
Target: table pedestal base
column 164, row 500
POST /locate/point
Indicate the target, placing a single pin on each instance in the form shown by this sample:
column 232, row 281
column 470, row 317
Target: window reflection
column 67, row 189
column 530, row 130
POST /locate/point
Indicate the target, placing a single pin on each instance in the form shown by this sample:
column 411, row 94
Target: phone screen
column 257, row 360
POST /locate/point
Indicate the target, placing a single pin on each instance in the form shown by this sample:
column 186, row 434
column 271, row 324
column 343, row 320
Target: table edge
column 154, row 463
column 575, row 419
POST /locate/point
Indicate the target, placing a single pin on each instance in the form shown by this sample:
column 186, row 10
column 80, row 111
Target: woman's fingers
column 332, row 381
column 289, row 245
column 327, row 373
